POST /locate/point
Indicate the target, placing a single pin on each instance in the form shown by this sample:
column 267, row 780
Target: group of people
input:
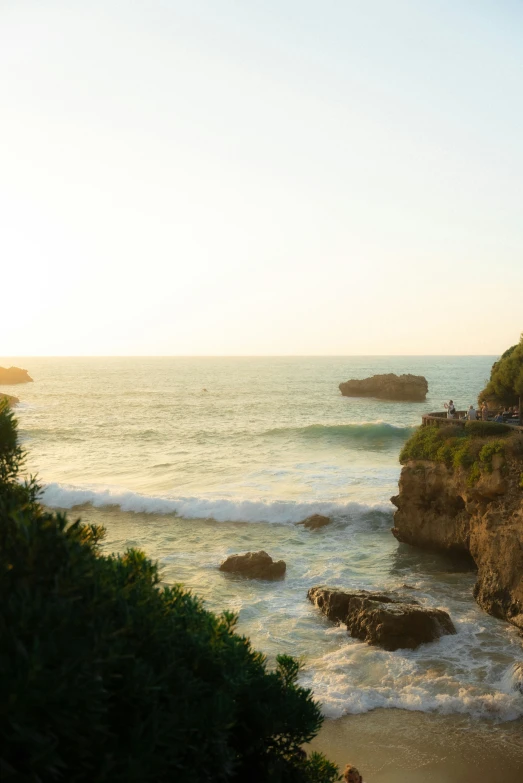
column 483, row 413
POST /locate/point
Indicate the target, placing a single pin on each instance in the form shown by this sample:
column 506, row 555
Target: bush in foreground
column 107, row 676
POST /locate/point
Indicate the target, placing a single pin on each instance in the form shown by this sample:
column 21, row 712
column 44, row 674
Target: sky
column 248, row 177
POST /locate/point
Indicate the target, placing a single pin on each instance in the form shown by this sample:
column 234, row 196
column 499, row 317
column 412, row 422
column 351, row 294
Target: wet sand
column 398, row 746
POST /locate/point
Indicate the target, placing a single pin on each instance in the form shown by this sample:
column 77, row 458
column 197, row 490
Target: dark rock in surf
column 378, row 618
column 9, row 399
column 315, row 521
column 408, row 388
column 351, row 775
column 254, row 565
column 11, row 375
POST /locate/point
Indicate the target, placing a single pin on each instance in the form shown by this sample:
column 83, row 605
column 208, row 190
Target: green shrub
column 488, row 451
column 107, row 676
column 456, row 447
column 505, row 386
column 474, row 474
column 486, row 429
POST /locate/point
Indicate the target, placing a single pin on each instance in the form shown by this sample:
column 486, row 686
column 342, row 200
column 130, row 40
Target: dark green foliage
column 505, row 386
column 455, row 446
column 486, row 429
column 488, row 451
column 107, row 676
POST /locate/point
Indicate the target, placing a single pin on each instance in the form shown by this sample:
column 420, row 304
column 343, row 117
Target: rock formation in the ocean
column 379, row 618
column 410, row 388
column 315, row 521
column 9, row 399
column 11, row 375
column 255, row 565
column 468, row 498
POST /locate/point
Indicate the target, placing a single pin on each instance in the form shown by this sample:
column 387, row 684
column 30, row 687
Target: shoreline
column 402, row 746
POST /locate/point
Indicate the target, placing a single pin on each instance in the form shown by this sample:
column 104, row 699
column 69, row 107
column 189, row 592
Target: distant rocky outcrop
column 9, row 398
column 255, row 565
column 378, row 618
column 315, row 521
column 11, row 375
column 409, row 388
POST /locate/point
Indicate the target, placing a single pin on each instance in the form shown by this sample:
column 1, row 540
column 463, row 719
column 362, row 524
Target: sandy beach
column 398, row 746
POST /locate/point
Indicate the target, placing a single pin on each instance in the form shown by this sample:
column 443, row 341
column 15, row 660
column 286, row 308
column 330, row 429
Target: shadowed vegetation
column 109, row 676
column 505, row 386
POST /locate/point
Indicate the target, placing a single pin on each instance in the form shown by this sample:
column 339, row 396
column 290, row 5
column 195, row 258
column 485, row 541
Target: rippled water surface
column 192, row 459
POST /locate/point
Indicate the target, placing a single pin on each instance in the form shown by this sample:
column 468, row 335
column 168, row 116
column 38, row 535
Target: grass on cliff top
column 476, row 443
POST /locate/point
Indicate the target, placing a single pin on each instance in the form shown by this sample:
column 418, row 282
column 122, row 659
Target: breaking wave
column 220, row 509
column 367, row 432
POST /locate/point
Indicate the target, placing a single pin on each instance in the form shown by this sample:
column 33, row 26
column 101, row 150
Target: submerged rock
column 390, row 386
column 255, row 565
column 9, row 375
column 315, row 521
column 378, row 618
column 9, row 398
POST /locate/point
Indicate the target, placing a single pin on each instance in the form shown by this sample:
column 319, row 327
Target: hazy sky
column 261, row 177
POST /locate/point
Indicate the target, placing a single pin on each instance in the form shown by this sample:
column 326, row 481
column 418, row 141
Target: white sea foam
column 357, row 679
column 217, row 508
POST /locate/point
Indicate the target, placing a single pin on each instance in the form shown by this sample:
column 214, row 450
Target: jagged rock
column 351, row 775
column 315, row 521
column 378, row 618
column 12, row 375
column 440, row 508
column 255, row 565
column 408, row 387
column 10, row 399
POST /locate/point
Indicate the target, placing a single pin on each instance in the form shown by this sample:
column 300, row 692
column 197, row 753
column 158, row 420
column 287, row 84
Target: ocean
column 192, row 459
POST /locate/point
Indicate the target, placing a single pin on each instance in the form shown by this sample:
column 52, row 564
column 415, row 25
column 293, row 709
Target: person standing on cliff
column 484, row 412
column 472, row 415
column 451, row 410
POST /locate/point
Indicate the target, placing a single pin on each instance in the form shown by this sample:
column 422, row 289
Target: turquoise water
column 193, row 459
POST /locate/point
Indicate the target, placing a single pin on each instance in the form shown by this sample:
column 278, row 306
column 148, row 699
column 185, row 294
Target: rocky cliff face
column 388, row 387
column 445, row 508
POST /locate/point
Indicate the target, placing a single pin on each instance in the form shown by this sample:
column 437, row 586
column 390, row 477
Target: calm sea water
column 193, row 458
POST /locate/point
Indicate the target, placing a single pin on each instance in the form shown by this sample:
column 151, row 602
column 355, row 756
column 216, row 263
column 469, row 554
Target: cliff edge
column 468, row 497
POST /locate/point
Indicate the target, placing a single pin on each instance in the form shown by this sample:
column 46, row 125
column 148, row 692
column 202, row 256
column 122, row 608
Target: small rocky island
column 12, row 375
column 407, row 388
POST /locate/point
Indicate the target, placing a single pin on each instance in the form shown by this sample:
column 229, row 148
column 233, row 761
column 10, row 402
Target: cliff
column 408, row 387
column 469, row 498
column 10, row 375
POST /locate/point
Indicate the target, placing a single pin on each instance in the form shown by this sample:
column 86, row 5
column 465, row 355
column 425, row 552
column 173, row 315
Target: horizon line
column 247, row 356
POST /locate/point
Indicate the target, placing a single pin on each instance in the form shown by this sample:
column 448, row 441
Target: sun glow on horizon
column 209, row 179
